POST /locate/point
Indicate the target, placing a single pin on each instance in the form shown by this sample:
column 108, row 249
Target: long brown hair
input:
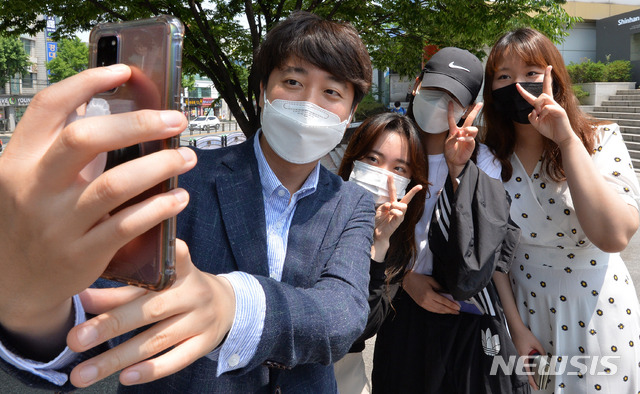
column 534, row 48
column 402, row 245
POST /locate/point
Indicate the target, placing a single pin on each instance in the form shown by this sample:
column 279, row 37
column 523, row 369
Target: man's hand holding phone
column 192, row 316
column 58, row 233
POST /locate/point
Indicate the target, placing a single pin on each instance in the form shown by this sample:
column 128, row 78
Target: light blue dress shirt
column 279, row 207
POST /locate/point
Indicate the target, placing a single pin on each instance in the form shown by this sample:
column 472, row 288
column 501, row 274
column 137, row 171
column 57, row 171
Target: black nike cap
column 455, row 70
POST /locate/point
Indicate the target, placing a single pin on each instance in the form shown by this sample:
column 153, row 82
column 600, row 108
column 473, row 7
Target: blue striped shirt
column 279, row 207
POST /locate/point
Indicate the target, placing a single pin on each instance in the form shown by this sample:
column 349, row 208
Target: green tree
column 13, row 59
column 188, row 81
column 71, row 58
column 222, row 35
column 470, row 24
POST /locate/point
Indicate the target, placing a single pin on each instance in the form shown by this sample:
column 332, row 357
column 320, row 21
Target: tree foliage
column 222, row 35
column 71, row 58
column 13, row 58
column 188, row 81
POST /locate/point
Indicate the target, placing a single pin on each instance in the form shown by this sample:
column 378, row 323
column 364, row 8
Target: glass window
column 28, row 45
column 15, row 84
column 27, row 80
column 635, row 48
column 19, row 112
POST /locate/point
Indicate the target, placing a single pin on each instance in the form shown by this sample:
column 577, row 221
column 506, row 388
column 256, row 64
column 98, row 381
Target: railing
column 226, row 126
column 218, row 140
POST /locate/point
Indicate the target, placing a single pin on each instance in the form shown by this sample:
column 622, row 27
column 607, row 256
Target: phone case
column 153, row 50
column 541, row 369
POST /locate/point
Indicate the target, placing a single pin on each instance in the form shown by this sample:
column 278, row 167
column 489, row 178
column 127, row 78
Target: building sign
column 52, row 49
column 193, row 101
column 206, row 101
column 51, row 46
column 632, row 19
column 14, row 101
column 51, row 24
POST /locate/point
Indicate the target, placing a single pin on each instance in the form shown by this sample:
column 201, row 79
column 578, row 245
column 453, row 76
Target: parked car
column 205, row 123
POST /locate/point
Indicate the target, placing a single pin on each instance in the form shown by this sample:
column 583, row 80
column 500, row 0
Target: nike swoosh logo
column 451, row 65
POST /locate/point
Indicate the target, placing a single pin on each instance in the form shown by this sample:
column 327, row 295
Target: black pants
column 422, row 352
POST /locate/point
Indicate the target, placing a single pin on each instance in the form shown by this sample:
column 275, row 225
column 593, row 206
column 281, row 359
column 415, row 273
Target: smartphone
column 541, row 369
column 153, row 49
column 469, row 306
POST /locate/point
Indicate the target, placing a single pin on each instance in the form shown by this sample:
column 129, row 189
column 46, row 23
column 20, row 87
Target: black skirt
column 418, row 351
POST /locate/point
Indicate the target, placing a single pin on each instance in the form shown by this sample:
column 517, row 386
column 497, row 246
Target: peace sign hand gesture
column 460, row 142
column 388, row 217
column 548, row 117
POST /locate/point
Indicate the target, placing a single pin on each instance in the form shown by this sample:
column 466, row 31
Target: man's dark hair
column 334, row 47
column 396, row 104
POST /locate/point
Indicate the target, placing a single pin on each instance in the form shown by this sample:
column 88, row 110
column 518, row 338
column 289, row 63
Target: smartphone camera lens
column 107, row 51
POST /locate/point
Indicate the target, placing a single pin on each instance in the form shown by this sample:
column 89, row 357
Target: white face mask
column 431, row 110
column 301, row 132
column 374, row 179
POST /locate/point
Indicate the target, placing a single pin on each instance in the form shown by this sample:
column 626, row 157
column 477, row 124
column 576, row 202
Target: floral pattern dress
column 579, row 301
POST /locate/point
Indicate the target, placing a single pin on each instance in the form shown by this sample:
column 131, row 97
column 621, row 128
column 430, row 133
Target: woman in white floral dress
column 575, row 197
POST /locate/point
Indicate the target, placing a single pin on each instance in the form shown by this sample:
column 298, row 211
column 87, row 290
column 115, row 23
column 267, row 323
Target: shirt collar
column 269, row 180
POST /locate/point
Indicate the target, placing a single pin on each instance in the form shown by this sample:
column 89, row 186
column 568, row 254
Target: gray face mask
column 431, row 110
column 511, row 103
column 374, row 179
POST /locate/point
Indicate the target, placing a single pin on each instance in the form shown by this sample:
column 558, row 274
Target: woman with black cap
column 432, row 342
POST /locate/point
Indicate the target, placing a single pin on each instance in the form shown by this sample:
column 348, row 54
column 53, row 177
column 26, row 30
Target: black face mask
column 509, row 101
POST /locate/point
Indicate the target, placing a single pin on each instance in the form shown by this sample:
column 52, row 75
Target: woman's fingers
column 453, row 126
column 391, row 184
column 409, row 196
column 447, row 301
column 531, row 99
column 472, row 115
column 547, row 82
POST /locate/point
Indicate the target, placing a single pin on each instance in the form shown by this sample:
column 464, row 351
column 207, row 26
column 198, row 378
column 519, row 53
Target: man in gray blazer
column 273, row 287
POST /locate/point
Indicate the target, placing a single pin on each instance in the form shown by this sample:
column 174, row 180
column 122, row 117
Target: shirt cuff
column 243, row 338
column 47, row 370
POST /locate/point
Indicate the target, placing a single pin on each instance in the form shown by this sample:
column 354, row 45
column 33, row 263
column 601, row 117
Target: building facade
column 610, row 31
column 16, row 95
column 204, row 98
